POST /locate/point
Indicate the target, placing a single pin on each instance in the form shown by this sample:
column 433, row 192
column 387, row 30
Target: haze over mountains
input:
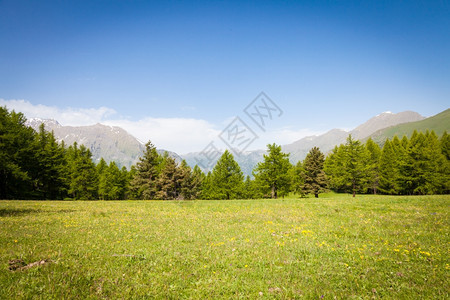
column 115, row 144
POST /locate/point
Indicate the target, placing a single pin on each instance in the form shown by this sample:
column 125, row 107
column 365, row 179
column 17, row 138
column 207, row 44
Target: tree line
column 33, row 165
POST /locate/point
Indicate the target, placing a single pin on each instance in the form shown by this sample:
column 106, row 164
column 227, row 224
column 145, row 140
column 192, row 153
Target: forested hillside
column 33, row 165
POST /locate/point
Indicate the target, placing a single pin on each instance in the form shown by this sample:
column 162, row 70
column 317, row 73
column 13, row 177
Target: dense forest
column 33, row 165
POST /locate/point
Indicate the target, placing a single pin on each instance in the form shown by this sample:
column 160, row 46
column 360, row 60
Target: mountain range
column 110, row 142
column 115, row 144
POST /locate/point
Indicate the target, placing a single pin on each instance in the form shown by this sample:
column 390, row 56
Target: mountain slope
column 439, row 123
column 110, row 142
column 334, row 137
column 384, row 120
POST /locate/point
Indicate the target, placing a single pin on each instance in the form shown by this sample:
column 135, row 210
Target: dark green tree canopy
column 314, row 178
column 273, row 174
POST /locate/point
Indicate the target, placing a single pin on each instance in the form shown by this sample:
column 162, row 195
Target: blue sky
column 178, row 72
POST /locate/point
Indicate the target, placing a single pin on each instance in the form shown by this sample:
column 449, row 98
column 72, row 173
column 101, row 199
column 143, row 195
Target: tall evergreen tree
column 17, row 156
column 168, row 184
column 373, row 163
column 82, row 173
column 146, row 175
column 226, row 178
column 435, row 173
column 354, row 165
column 445, row 145
column 112, row 183
column 335, row 170
column 315, row 180
column 52, row 166
column 298, row 178
column 389, row 173
column 273, row 174
column 195, row 184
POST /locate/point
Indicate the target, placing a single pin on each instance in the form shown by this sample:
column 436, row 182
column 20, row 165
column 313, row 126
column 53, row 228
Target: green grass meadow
column 332, row 247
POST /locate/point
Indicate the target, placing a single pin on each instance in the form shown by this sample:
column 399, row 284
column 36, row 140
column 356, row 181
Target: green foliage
column 403, row 167
column 334, row 168
column 35, row 166
column 112, row 181
column 298, row 179
column 143, row 184
column 273, row 174
column 17, row 156
column 389, row 172
column 83, row 176
column 373, row 154
column 438, row 123
column 314, row 178
column 226, row 180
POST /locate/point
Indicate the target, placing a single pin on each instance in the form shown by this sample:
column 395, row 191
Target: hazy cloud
column 175, row 134
column 181, row 135
column 65, row 116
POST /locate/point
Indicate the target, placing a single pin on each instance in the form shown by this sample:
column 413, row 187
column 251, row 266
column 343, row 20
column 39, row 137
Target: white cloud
column 65, row 116
column 282, row 136
column 175, row 134
column 181, row 135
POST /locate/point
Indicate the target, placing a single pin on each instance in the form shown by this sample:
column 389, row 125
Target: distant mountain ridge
column 328, row 140
column 115, row 144
column 110, row 142
column 438, row 123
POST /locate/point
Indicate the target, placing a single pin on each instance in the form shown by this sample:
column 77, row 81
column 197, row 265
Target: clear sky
column 177, row 72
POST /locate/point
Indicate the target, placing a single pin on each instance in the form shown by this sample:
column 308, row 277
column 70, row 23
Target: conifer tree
column 389, row 173
column 354, row 165
column 17, row 156
column 146, row 174
column 314, row 178
column 373, row 163
column 226, row 178
column 334, row 168
column 168, row 184
column 298, row 178
column 207, row 190
column 435, row 173
column 445, row 145
column 195, row 183
column 83, row 176
column 273, row 174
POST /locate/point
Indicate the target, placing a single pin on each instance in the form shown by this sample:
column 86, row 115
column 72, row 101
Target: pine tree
column 103, row 181
column 186, row 181
column 373, row 163
column 207, row 190
column 335, row 170
column 298, row 178
column 314, row 178
column 273, row 174
column 168, row 184
column 112, row 185
column 445, row 148
column 226, row 178
column 389, row 173
column 17, row 156
column 195, row 183
column 354, row 165
column 82, row 173
column 445, row 145
column 146, row 175
column 435, row 173
column 417, row 166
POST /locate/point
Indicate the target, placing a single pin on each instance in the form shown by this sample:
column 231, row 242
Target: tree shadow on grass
column 13, row 212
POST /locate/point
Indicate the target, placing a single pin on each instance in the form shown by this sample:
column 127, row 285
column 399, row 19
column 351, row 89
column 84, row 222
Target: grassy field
column 331, row 247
